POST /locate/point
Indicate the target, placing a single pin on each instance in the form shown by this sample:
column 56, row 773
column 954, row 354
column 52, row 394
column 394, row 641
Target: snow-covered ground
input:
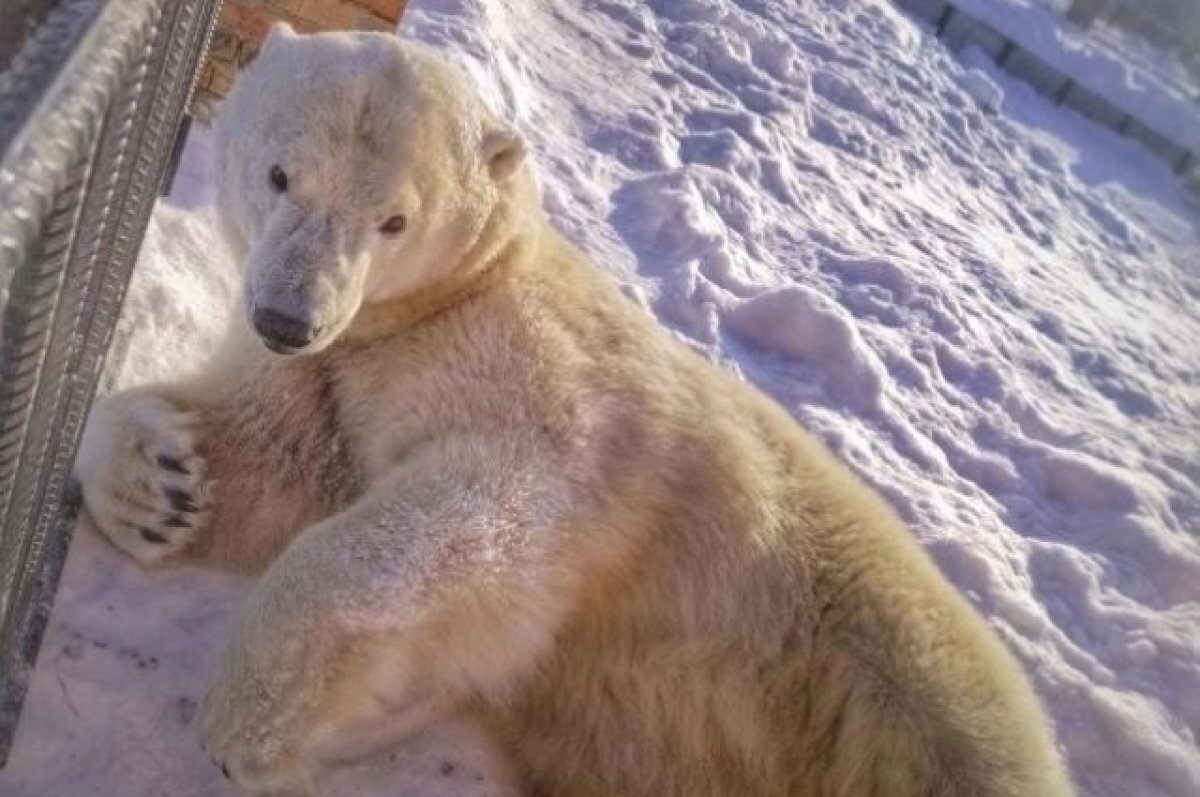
column 990, row 316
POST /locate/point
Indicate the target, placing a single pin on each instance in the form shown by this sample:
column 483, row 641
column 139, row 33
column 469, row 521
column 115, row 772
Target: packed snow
column 981, row 302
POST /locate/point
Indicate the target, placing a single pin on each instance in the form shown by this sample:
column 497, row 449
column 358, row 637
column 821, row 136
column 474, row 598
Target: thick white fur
column 491, row 487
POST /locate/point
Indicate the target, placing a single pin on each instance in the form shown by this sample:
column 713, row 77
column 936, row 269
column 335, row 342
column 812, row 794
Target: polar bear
column 480, row 483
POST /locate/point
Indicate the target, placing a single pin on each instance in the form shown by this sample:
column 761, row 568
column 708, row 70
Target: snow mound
column 803, row 324
column 979, row 85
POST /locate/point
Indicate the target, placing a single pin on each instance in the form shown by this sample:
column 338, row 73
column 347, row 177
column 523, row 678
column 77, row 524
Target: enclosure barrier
column 959, row 28
column 92, row 93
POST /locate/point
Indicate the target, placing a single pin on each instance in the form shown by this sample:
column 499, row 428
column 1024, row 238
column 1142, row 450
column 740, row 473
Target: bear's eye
column 278, row 179
column 393, row 226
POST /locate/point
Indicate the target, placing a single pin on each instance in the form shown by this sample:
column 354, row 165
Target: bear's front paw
column 143, row 482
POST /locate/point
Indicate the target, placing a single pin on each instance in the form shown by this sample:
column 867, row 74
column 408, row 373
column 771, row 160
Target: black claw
column 177, row 522
column 149, row 535
column 172, row 464
column 221, row 765
column 180, row 500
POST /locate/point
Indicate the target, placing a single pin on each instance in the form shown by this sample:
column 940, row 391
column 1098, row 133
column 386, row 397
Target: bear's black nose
column 282, row 332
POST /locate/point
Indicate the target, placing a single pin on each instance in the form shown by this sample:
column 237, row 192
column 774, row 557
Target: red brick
column 222, row 80
column 248, row 52
column 289, row 8
column 224, row 46
column 246, row 22
column 205, row 76
column 243, row 25
column 367, row 20
column 390, row 10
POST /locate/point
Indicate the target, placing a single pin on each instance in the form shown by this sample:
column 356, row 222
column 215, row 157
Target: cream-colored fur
column 492, row 487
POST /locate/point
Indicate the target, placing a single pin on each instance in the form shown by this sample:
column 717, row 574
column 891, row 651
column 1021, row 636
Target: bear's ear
column 279, row 31
column 503, row 150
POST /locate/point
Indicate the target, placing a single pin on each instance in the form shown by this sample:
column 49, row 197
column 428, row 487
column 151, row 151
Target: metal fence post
column 91, row 96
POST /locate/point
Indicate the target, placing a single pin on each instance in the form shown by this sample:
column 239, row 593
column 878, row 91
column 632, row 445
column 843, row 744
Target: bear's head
column 352, row 169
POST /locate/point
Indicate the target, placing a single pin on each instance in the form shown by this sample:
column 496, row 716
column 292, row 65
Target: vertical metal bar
column 71, row 220
column 1064, row 90
column 1005, row 52
column 944, row 19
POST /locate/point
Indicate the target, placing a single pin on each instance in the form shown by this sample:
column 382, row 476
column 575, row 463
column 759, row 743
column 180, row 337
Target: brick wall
column 243, row 25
